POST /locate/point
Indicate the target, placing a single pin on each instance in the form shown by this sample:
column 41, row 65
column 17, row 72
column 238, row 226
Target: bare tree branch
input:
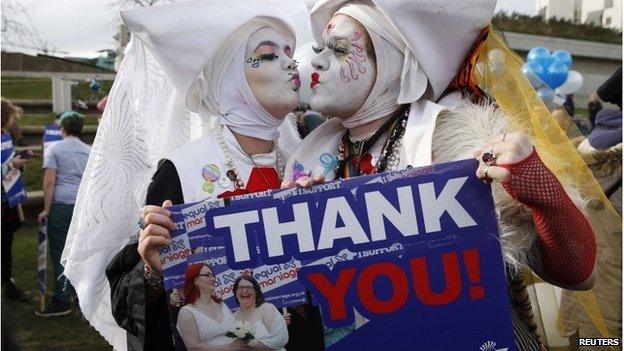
column 18, row 31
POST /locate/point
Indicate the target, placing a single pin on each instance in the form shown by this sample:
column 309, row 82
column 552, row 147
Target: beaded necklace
column 233, row 172
column 350, row 151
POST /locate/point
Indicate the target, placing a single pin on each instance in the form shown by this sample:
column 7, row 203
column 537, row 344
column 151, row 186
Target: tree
column 18, row 31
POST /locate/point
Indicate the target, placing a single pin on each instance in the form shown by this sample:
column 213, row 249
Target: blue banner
column 12, row 183
column 192, row 244
column 51, row 135
column 412, row 258
column 42, row 257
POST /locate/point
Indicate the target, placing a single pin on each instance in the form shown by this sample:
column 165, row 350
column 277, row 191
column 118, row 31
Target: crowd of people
column 63, row 166
column 399, row 94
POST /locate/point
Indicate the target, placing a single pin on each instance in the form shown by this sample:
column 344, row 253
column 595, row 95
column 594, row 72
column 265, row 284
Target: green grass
column 47, row 118
column 579, row 111
column 33, row 174
column 41, row 88
column 69, row 332
column 26, row 88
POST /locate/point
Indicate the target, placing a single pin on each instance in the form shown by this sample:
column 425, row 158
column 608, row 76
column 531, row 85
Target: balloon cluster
column 550, row 75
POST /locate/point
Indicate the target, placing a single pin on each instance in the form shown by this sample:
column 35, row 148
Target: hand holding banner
column 415, row 252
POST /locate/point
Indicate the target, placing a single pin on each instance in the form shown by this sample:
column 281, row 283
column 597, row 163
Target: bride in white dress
column 271, row 332
column 204, row 320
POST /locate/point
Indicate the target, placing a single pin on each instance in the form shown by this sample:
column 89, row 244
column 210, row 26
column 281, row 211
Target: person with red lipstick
column 315, row 80
column 188, row 62
column 398, row 78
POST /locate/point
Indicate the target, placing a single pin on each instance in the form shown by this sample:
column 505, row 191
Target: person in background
column 568, row 105
column 602, row 152
column 205, row 320
column 593, row 107
column 16, row 133
column 305, row 329
column 10, row 219
column 610, row 91
column 63, row 168
column 602, row 149
column 101, row 105
column 271, row 331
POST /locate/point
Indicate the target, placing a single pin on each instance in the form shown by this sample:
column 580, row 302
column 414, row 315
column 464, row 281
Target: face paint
column 355, row 60
column 343, row 73
column 271, row 72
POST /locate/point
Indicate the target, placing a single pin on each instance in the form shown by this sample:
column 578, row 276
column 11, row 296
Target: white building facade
column 605, row 13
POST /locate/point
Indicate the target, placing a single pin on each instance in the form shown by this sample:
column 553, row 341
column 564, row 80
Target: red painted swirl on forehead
column 355, row 60
column 330, row 27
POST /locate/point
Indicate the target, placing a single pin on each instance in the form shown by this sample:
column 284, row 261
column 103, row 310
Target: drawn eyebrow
column 336, row 39
column 266, row 42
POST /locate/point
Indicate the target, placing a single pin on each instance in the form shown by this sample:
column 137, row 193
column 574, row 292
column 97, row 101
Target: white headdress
column 427, row 40
column 150, row 111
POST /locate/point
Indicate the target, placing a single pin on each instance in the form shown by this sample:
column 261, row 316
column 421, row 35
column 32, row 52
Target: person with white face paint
column 227, row 63
column 383, row 70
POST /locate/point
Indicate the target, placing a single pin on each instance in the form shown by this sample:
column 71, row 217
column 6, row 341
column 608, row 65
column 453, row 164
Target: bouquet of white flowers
column 243, row 330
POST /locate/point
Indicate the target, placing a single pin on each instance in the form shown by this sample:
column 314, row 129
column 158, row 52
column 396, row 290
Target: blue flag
column 13, row 184
column 51, row 135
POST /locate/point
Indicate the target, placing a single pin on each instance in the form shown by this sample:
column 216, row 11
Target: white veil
column 145, row 118
column 132, row 137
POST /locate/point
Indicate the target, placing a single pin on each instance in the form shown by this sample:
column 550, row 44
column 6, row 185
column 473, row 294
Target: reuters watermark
column 599, row 342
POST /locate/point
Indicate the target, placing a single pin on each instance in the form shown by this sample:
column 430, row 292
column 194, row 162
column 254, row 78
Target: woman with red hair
column 205, row 319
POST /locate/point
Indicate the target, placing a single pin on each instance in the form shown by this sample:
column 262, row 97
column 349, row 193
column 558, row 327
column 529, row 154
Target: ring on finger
column 489, row 157
column 142, row 223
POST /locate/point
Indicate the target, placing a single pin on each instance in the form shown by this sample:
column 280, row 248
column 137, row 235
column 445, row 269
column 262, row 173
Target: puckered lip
column 315, row 80
column 296, row 79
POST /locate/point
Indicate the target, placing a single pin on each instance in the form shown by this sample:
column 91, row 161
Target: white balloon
column 304, row 54
column 572, row 84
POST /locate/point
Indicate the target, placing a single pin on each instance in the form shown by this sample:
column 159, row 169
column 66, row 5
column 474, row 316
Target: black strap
column 373, row 139
column 613, row 188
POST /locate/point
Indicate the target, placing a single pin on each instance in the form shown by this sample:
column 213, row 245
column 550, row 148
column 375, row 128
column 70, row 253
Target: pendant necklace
column 233, row 173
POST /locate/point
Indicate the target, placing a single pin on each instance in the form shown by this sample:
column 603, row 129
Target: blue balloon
column 539, row 55
column 556, row 74
column 546, row 94
column 563, row 57
column 532, row 70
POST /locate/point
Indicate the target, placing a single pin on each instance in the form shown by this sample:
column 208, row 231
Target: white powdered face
column 343, row 73
column 271, row 71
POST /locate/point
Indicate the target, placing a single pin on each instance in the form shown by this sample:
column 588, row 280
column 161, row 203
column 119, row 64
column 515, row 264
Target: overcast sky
column 80, row 27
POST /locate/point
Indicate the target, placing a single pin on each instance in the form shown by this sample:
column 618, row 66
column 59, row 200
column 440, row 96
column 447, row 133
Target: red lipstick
column 315, row 80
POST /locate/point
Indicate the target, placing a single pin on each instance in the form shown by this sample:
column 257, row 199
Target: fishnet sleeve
column 568, row 245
